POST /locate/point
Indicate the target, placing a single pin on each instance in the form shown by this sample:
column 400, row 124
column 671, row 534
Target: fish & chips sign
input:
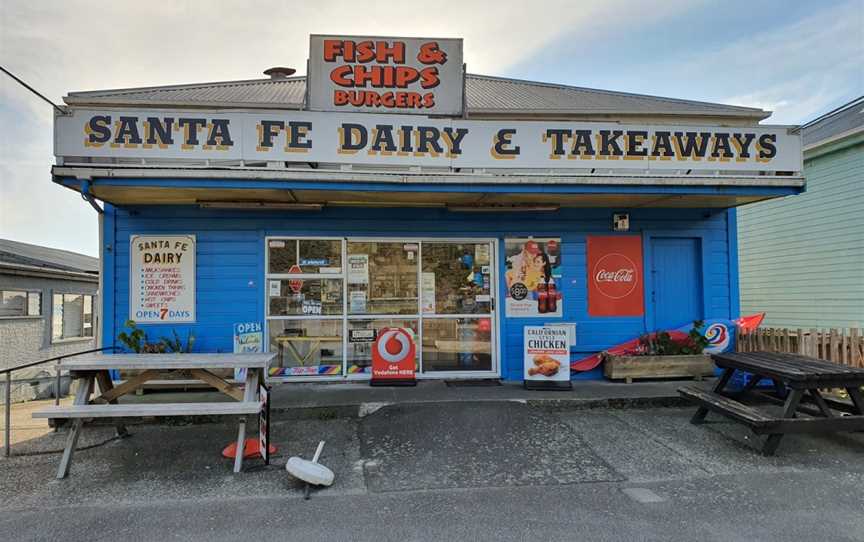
column 375, row 74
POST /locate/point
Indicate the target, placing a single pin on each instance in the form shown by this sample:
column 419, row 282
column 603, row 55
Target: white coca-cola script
column 620, row 275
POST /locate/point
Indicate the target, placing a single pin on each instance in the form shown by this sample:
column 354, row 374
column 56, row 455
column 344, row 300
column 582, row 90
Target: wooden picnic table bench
column 796, row 383
column 92, row 370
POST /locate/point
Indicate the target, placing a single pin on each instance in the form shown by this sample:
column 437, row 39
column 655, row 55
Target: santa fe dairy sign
column 406, row 140
column 162, row 278
column 379, row 75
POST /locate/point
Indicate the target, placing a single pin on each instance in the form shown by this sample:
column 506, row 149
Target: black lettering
column 219, row 134
column 159, row 131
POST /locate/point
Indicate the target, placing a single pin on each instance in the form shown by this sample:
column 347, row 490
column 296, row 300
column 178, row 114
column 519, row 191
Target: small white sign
column 275, row 288
column 358, row 269
column 357, row 302
column 547, row 353
column 162, row 279
column 427, row 292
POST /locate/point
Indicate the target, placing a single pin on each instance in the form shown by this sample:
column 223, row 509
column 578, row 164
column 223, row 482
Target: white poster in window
column 275, row 288
column 358, row 269
column 162, row 278
column 357, row 302
column 427, row 289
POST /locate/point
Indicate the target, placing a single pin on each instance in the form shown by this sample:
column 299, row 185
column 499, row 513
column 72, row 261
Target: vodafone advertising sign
column 393, row 355
column 423, row 76
column 615, row 278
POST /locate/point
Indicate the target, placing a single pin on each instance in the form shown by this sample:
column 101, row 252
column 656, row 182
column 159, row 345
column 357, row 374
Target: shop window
column 362, row 334
column 304, row 297
column 382, row 277
column 18, row 303
column 307, row 256
column 457, row 344
column 456, row 278
column 72, row 317
column 306, row 347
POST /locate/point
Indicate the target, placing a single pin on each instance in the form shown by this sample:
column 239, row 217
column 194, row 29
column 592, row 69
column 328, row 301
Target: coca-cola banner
column 615, row 278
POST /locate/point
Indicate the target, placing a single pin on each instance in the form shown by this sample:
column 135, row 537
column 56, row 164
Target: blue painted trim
column 228, row 184
column 734, row 284
column 108, row 250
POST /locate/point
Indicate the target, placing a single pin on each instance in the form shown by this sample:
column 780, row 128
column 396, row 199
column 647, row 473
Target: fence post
column 57, row 385
column 8, row 445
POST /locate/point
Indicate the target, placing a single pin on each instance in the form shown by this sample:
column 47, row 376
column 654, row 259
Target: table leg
column 249, row 394
column 701, row 412
column 820, row 402
column 855, row 394
column 789, row 409
column 106, row 385
column 82, row 395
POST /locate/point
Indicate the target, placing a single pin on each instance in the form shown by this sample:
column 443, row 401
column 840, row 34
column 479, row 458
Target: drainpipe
column 88, row 197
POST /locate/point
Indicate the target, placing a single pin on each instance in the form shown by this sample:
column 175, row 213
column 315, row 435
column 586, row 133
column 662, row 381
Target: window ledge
column 72, row 340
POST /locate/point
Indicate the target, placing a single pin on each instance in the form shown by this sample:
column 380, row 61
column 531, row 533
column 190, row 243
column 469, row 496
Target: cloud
column 87, row 45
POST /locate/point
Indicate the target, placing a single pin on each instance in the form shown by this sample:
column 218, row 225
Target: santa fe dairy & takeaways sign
column 405, row 140
column 376, row 74
column 162, row 278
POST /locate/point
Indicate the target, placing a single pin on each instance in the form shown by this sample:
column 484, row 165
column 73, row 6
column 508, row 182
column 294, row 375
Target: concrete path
column 455, row 470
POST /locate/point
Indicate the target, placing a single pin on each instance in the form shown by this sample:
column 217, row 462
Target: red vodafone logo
column 394, row 346
column 614, row 276
column 295, row 284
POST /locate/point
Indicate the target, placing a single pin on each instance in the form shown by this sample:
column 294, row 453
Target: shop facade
column 519, row 204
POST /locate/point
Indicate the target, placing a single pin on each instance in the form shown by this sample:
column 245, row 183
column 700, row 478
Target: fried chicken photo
column 544, row 365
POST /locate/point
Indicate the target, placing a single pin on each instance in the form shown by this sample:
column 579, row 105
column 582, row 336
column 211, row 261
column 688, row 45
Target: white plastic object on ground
column 310, row 472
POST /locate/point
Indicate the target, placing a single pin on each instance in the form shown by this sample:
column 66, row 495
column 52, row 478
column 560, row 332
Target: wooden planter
column 631, row 367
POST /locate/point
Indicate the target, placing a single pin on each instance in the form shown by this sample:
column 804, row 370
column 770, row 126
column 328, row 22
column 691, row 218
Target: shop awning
column 256, row 187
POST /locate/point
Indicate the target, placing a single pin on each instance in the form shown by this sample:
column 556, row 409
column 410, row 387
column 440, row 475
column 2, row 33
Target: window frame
column 345, row 317
column 27, row 293
column 92, row 326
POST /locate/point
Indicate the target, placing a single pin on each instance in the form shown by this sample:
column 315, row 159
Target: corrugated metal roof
column 485, row 94
column 844, row 119
column 47, row 258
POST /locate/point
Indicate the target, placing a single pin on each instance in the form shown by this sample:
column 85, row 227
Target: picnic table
column 796, row 381
column 91, row 370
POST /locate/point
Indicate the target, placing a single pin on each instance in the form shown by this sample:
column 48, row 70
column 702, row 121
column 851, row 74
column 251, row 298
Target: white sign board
column 422, row 76
column 397, row 140
column 547, row 353
column 358, row 269
column 162, row 279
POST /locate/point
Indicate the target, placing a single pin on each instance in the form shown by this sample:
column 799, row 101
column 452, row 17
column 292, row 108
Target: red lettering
column 429, row 78
column 332, row 49
column 338, row 76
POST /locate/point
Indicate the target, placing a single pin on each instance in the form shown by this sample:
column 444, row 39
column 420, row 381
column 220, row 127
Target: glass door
column 457, row 307
column 381, row 282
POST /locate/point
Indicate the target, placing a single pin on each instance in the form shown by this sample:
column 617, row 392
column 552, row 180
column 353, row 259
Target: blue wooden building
column 332, row 232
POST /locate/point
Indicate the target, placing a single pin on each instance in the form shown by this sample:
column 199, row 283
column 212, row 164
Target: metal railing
column 8, row 428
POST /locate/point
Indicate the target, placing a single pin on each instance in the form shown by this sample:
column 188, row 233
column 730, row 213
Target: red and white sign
column 394, row 354
column 422, row 76
column 295, row 284
column 615, row 278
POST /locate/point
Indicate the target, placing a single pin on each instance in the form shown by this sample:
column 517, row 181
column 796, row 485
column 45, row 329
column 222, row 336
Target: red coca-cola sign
column 615, row 276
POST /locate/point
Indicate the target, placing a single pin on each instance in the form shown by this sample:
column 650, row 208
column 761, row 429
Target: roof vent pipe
column 279, row 72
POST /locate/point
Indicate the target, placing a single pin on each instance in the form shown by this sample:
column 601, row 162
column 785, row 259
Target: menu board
column 547, row 353
column 162, row 278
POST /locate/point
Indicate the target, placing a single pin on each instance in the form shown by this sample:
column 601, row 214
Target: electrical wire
column 31, row 89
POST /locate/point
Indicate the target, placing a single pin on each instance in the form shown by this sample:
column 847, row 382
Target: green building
column 802, row 258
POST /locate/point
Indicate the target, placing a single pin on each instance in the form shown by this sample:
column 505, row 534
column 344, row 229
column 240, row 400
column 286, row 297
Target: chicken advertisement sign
column 615, row 281
column 533, row 277
column 547, row 356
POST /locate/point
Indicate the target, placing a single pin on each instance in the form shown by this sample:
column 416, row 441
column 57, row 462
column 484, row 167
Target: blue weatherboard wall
column 230, row 262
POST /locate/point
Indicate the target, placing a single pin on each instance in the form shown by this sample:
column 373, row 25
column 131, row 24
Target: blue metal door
column 676, row 272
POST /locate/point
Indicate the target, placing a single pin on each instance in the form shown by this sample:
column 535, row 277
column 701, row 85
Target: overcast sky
column 796, row 58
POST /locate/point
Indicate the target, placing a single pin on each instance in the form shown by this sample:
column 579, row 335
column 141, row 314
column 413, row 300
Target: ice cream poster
column 533, row 277
column 547, row 353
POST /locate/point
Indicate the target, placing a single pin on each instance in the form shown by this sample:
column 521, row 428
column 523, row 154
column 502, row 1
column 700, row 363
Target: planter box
column 630, row 367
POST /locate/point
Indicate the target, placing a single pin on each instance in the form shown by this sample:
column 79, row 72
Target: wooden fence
column 840, row 346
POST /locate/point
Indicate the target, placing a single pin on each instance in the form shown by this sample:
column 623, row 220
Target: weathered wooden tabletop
column 168, row 361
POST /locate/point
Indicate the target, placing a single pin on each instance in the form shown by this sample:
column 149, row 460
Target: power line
column 31, row 89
